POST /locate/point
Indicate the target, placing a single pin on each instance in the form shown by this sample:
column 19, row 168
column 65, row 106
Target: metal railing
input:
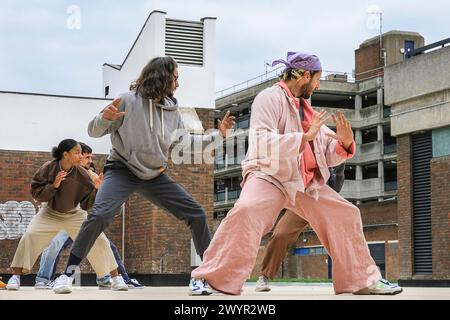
column 227, row 195
column 391, row 148
column 432, row 46
column 228, row 162
column 243, row 122
column 274, row 74
column 390, row 186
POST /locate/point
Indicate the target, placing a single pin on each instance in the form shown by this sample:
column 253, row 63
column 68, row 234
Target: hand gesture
column 318, row 120
column 226, row 124
column 111, row 112
column 344, row 132
column 60, row 177
column 98, row 181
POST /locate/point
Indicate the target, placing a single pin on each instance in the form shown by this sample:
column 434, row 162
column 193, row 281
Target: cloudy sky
column 38, row 53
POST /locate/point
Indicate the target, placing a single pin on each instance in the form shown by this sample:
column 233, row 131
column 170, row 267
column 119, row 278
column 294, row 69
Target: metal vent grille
column 422, row 153
column 184, row 42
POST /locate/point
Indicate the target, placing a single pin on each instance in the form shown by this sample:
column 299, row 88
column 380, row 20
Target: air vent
column 184, row 42
column 422, row 153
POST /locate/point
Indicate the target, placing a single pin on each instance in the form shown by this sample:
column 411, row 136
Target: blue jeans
column 50, row 258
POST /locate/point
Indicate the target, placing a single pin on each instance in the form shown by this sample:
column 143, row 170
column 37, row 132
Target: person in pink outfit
column 286, row 166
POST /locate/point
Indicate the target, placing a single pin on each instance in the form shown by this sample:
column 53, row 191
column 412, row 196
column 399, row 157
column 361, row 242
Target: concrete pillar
column 359, row 175
column 380, row 169
column 380, row 139
column 380, row 132
column 358, row 137
column 380, row 96
column 381, row 176
column 358, row 102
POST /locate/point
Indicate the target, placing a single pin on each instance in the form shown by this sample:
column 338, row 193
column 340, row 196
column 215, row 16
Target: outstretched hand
column 344, row 132
column 111, row 112
column 226, row 124
column 60, row 177
column 318, row 120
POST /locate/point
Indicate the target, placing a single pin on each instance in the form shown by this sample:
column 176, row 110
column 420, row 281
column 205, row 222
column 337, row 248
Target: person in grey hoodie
column 141, row 124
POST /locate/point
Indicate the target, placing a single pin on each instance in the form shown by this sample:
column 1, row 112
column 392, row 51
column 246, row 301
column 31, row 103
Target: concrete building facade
column 418, row 91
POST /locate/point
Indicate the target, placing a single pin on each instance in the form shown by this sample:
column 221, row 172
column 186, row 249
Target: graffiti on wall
column 14, row 218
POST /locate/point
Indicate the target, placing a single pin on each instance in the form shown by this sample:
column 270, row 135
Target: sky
column 39, row 53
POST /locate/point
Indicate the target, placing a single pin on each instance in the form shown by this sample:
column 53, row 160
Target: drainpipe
column 123, row 232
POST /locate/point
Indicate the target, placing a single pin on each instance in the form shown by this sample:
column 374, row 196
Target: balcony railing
column 367, row 152
column 243, row 122
column 229, row 163
column 227, row 195
column 273, row 74
column 390, row 186
column 360, row 189
column 219, row 196
column 392, row 148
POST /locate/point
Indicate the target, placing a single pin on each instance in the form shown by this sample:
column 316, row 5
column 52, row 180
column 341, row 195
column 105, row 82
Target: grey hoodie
column 142, row 137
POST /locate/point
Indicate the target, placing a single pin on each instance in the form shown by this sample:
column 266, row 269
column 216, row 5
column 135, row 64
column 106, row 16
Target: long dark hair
column 156, row 78
column 64, row 146
column 85, row 148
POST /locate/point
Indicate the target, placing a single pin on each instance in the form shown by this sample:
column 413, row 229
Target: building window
column 314, row 251
column 350, row 172
column 370, row 171
column 386, row 111
column 369, row 135
column 389, row 142
column 106, row 91
column 369, row 99
column 377, row 251
column 390, row 175
column 220, row 214
column 321, row 100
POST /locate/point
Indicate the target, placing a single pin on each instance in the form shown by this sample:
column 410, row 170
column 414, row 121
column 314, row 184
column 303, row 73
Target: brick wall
column 367, row 61
column 440, row 216
column 392, row 261
column 404, row 182
column 155, row 242
column 383, row 218
column 440, row 209
column 16, row 168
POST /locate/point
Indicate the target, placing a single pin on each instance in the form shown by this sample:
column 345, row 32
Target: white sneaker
column 63, row 284
column 13, row 283
column 381, row 287
column 199, row 288
column 117, row 284
column 41, row 285
column 262, row 285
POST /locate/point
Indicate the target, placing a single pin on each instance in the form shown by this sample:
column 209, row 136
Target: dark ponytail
column 64, row 146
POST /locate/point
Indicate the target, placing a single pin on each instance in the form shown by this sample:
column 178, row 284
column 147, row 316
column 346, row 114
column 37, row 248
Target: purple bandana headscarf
column 300, row 60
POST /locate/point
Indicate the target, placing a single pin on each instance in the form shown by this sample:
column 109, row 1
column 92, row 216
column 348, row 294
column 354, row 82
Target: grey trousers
column 118, row 184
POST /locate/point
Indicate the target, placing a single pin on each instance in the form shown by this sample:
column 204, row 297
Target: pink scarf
column 308, row 164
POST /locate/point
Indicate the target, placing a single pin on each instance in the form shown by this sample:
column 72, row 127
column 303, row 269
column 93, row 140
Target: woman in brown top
column 66, row 191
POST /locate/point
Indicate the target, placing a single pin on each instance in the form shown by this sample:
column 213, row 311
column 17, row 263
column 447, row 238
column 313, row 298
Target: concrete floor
column 287, row 291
